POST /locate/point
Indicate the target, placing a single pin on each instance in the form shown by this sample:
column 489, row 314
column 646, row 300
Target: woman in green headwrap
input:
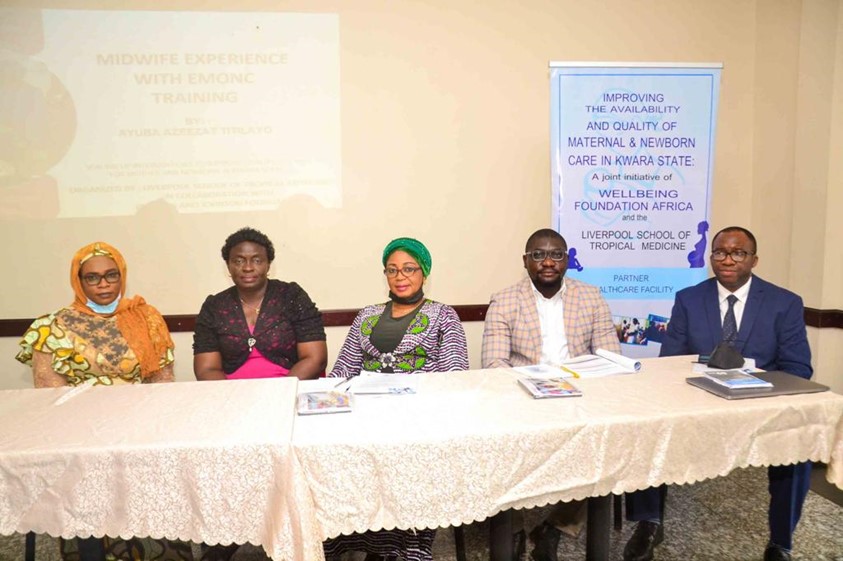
column 407, row 334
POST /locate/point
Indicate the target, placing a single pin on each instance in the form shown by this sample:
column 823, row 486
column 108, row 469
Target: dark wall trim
column 187, row 322
column 824, row 318
column 331, row 318
column 342, row 318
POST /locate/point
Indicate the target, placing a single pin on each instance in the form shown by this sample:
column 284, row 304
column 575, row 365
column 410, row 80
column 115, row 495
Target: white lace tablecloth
column 200, row 461
column 471, row 444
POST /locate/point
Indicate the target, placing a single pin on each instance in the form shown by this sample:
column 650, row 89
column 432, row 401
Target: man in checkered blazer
column 513, row 334
column 547, row 318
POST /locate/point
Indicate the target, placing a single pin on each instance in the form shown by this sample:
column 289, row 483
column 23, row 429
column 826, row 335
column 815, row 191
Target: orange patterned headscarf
column 140, row 324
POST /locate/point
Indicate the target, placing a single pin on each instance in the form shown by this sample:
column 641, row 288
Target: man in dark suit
column 762, row 321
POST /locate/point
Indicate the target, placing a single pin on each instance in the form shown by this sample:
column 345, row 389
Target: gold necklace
column 251, row 340
column 257, row 308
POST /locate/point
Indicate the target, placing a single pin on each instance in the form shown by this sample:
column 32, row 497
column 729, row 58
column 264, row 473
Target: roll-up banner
column 632, row 148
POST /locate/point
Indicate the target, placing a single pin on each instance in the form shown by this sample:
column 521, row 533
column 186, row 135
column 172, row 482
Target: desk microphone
column 725, row 357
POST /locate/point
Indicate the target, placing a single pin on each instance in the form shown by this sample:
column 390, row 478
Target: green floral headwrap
column 414, row 248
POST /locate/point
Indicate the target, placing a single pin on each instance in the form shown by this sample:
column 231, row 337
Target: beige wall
column 828, row 350
column 445, row 137
column 797, row 182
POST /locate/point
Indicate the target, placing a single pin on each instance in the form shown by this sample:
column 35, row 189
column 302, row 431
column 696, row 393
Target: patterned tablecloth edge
column 553, row 498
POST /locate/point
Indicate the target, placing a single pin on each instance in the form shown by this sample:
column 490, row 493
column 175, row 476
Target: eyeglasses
column 407, row 271
column 93, row 279
column 540, row 255
column 240, row 262
column 738, row 256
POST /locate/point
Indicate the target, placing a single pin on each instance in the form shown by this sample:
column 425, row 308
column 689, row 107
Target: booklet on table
column 315, row 403
column 736, row 379
column 541, row 388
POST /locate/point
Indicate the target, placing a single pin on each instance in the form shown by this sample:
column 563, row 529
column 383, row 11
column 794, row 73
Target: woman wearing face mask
column 410, row 333
column 102, row 338
column 407, row 334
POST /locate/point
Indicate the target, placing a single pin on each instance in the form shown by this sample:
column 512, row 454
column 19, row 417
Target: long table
column 472, row 444
column 230, row 462
column 200, row 461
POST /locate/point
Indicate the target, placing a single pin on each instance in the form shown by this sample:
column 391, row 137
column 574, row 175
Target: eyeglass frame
column 114, row 274
column 254, row 261
column 547, row 253
column 731, row 254
column 402, row 270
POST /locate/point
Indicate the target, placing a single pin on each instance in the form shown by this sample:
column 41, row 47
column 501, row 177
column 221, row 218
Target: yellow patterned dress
column 70, row 348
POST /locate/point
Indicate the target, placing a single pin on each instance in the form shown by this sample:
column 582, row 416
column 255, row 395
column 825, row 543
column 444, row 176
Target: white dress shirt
column 741, row 294
column 552, row 319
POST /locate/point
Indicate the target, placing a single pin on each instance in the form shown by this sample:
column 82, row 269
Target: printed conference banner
column 632, row 150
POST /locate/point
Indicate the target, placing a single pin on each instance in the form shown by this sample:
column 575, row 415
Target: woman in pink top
column 258, row 328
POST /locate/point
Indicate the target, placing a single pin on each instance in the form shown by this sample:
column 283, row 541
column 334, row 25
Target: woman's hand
column 164, row 375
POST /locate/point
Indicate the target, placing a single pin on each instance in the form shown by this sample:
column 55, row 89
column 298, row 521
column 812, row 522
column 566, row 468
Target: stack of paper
column 603, row 363
column 377, row 383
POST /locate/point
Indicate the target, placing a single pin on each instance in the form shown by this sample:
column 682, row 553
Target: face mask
column 407, row 299
column 103, row 309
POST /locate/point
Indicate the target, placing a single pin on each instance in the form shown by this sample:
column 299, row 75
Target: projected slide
column 103, row 112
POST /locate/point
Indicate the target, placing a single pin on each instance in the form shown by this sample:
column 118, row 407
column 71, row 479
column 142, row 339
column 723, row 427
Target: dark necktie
column 730, row 324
